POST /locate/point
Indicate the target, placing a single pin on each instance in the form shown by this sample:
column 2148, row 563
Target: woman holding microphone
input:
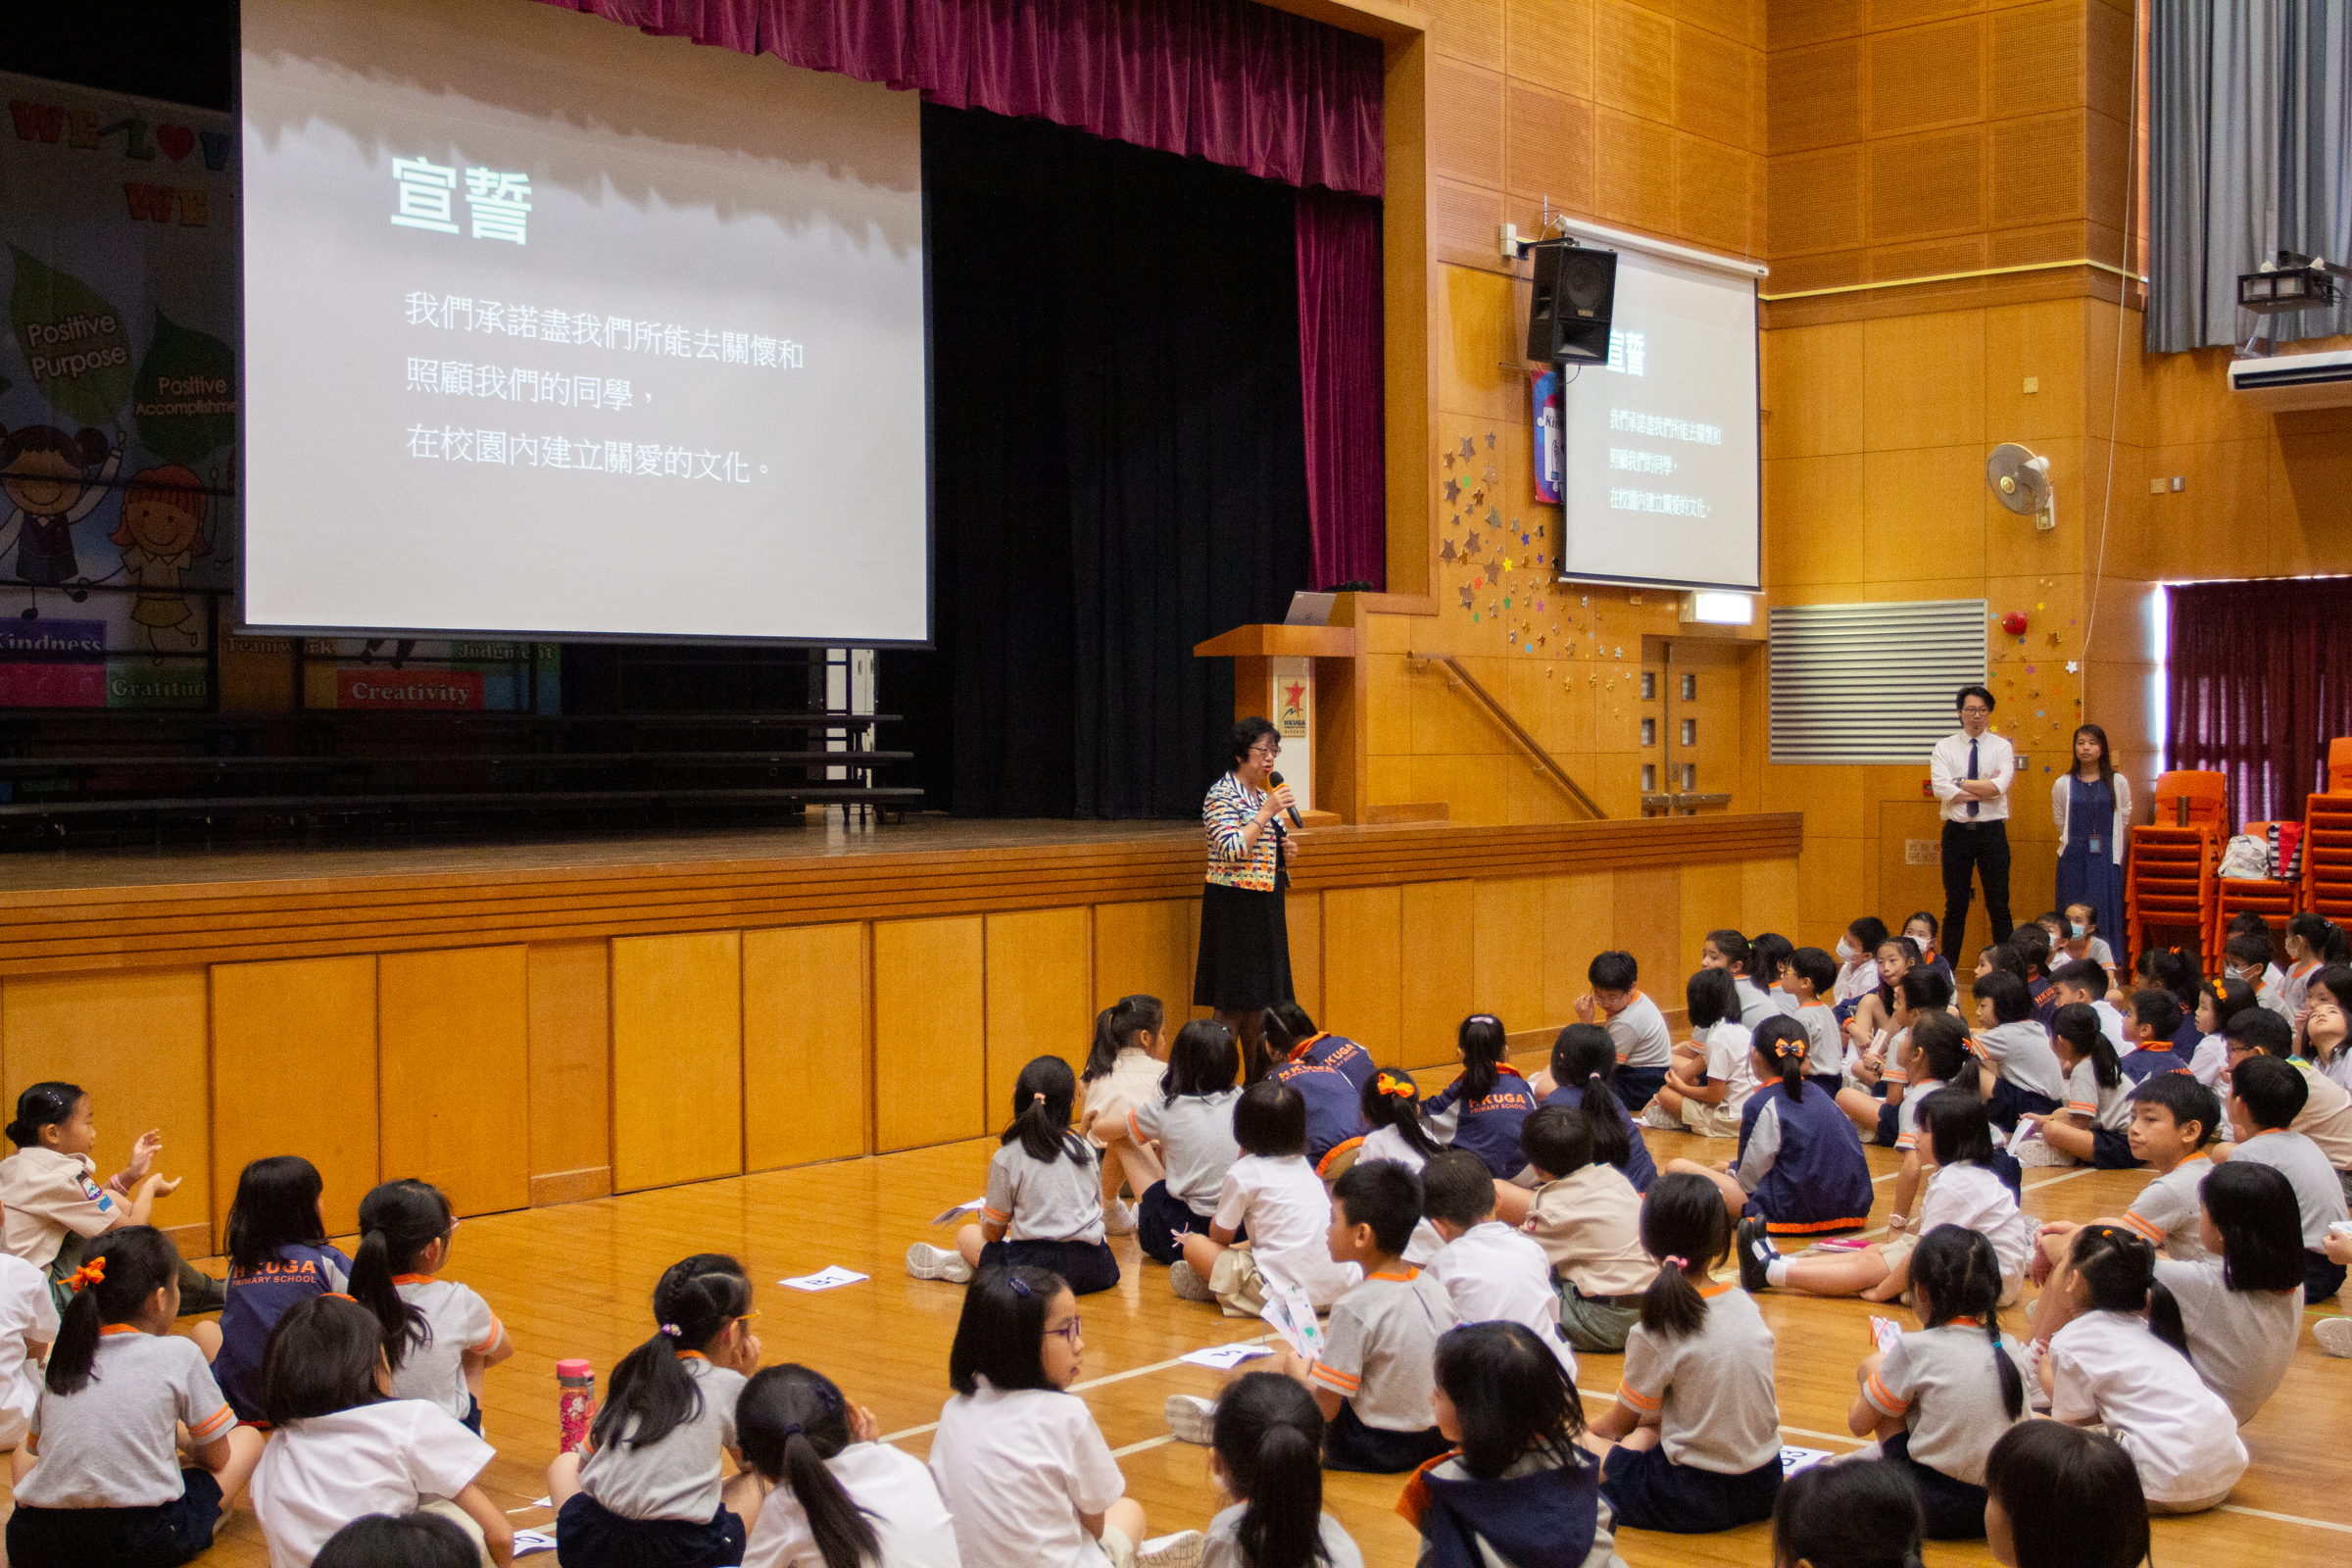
column 1245, row 963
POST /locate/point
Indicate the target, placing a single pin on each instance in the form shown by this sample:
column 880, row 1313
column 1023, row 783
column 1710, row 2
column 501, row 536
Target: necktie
column 1972, row 773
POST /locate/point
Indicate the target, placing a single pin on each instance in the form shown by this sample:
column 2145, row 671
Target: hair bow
column 91, row 1273
column 2219, row 994
column 671, row 1329
column 1784, row 1048
column 1680, row 1264
column 1393, row 1086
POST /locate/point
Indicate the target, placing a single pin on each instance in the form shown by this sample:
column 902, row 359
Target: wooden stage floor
column 575, row 1281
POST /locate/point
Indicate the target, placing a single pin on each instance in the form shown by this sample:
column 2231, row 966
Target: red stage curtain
column 1341, row 381
column 2259, row 679
column 1228, row 80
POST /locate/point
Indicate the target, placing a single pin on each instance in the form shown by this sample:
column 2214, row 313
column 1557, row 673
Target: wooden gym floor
column 575, row 1280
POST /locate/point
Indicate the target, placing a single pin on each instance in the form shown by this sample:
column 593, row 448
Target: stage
column 539, row 1022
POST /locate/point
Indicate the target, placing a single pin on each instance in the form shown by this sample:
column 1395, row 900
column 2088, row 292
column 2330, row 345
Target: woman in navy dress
column 2092, row 805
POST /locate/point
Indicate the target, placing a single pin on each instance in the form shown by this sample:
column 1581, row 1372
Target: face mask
column 2080, row 929
column 1847, row 952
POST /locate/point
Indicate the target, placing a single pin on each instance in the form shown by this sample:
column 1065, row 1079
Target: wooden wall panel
column 294, row 1073
column 571, row 1070
column 1634, row 67
column 1549, row 147
column 807, row 1079
column 2037, row 59
column 1040, row 991
column 453, row 1043
column 1923, row 76
column 677, row 1058
column 1647, row 923
column 138, row 1044
column 1711, row 87
column 1550, row 41
column 1468, row 29
column 930, row 1001
column 1813, row 97
column 1437, row 972
column 1637, row 171
column 1710, row 900
column 1361, row 961
column 1580, row 922
column 1303, row 916
column 1928, row 184
column 1509, row 952
column 1146, row 948
column 1465, row 116
column 1768, row 897
column 1812, row 201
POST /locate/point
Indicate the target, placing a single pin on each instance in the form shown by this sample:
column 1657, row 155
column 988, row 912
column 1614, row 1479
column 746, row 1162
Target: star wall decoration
column 1453, row 491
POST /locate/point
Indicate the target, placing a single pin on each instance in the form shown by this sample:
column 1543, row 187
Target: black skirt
column 1244, row 949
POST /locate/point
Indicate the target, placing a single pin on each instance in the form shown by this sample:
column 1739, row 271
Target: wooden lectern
column 1274, row 677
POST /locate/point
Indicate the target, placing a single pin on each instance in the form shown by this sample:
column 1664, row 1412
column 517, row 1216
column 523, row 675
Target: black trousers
column 1981, row 847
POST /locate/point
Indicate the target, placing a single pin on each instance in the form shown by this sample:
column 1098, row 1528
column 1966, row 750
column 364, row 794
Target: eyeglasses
column 1069, row 1331
column 1975, row 712
column 1267, row 752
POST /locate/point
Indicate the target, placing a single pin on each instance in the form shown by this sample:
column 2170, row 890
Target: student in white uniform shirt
column 1391, row 1102
column 2121, row 1362
column 1492, row 1272
column 1939, row 1399
column 341, row 1446
column 1712, row 1080
column 440, row 1336
column 1274, row 1194
column 28, row 1328
column 1020, row 1461
column 652, row 1485
column 1043, row 1204
column 107, row 1482
column 1189, row 1122
column 842, row 1498
column 1266, row 1453
column 2266, row 1095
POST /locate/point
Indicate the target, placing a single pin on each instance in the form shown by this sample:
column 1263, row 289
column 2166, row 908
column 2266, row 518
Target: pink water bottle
column 575, row 1401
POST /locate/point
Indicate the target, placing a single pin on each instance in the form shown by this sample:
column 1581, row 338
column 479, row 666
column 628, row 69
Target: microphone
column 1297, row 821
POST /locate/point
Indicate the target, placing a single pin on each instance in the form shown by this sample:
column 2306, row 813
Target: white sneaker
column 1187, row 1283
column 2335, row 1335
column 1655, row 1114
column 1120, row 1218
column 927, row 1262
column 1180, row 1550
column 1190, row 1417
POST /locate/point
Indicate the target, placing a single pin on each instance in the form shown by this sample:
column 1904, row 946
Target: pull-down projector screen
column 556, row 329
column 1661, row 477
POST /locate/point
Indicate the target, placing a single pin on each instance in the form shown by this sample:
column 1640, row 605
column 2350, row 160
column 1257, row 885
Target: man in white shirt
column 1971, row 774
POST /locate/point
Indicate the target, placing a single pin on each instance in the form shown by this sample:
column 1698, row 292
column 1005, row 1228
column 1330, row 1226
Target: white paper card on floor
column 1225, row 1358
column 527, row 1541
column 824, row 1279
column 1795, row 1459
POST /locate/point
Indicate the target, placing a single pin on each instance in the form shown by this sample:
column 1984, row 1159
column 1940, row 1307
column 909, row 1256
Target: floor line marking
column 2285, row 1518
column 1081, row 1388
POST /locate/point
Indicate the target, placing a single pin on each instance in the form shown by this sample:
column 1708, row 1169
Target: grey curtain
column 2249, row 153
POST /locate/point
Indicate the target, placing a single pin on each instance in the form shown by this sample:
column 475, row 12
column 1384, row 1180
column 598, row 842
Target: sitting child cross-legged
column 841, row 1499
column 1372, row 1379
column 1799, row 1168
column 1711, row 1079
column 1044, row 1203
column 1274, row 1194
column 1191, row 1121
column 1588, row 1220
column 1692, row 1444
column 1492, row 1272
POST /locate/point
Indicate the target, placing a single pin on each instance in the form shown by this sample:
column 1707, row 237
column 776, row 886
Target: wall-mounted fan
column 2022, row 480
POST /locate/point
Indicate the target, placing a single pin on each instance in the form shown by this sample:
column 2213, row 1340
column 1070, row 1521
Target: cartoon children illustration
column 163, row 528
column 47, row 473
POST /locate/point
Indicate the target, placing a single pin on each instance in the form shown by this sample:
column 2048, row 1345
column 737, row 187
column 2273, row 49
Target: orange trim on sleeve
column 498, row 1332
column 120, row 1328
column 1134, row 1131
column 1337, row 1382
column 1409, row 1273
column 2135, row 1223
column 995, row 1216
column 411, row 1279
column 220, row 1421
column 1882, row 1399
column 1640, row 1401
column 1809, row 1228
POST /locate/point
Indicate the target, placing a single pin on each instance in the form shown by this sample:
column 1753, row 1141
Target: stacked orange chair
column 2174, row 879
column 2327, row 839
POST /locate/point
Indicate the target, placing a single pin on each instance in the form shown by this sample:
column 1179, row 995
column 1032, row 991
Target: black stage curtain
column 1119, row 462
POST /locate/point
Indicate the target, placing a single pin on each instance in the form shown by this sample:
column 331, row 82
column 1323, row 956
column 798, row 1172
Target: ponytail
column 651, row 1393
column 1782, row 1042
column 1116, row 1027
column 398, row 1221
column 789, row 1421
column 115, row 1279
column 1483, row 1044
column 2078, row 1024
column 2163, row 1317
column 1686, row 1229
column 1391, row 1098
column 2118, row 1270
column 1269, row 1434
column 1959, row 1275
column 1042, row 1096
column 1612, row 1132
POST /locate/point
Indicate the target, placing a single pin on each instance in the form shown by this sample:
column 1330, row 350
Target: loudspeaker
column 1568, row 318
